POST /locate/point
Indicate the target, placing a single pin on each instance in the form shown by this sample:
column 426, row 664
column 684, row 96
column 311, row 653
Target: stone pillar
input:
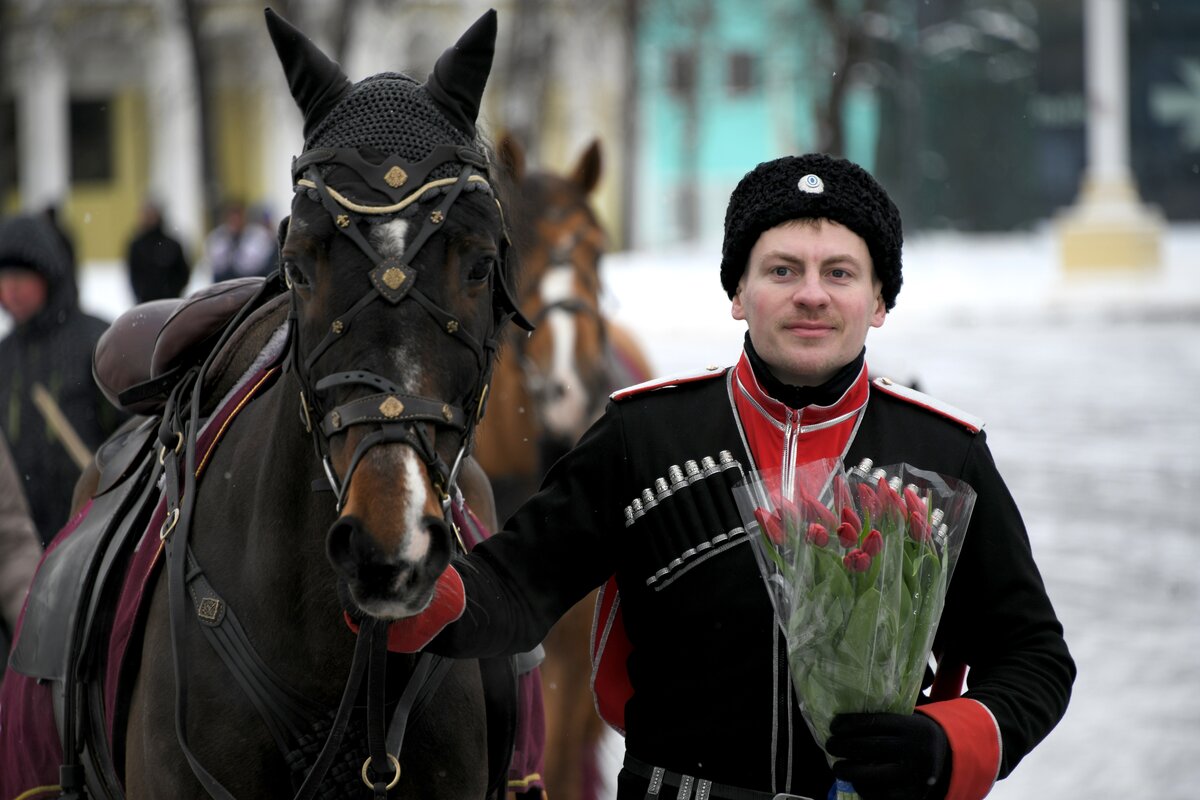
column 175, row 179
column 1108, row 227
column 43, row 119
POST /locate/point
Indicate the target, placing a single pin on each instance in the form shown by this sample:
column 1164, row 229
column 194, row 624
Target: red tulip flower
column 857, row 561
column 817, row 510
column 890, row 501
column 817, row 535
column 873, row 544
column 847, row 535
column 918, row 527
column 914, row 502
column 850, row 518
column 868, row 500
column 770, row 524
column 790, row 512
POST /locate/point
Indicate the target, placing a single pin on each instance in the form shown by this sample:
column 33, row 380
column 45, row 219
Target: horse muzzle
column 386, row 585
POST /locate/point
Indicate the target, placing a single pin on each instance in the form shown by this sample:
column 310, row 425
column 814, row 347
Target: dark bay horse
column 548, row 388
column 317, row 494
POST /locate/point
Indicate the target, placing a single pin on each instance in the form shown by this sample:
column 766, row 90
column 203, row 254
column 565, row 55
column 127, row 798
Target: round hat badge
column 812, row 184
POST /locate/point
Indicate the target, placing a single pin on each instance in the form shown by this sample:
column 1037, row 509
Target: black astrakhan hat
column 813, row 186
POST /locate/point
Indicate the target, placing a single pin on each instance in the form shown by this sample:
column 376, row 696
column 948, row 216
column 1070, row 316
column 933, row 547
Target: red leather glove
column 411, row 634
column 891, row 756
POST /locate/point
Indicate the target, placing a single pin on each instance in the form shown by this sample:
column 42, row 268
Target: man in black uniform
column 690, row 662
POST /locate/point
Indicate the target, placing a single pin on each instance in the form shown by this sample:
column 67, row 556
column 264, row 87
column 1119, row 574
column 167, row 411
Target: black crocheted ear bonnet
column 813, row 186
column 405, row 133
column 383, row 146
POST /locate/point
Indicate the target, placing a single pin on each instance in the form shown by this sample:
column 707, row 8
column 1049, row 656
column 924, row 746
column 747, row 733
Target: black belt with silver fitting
column 688, row 787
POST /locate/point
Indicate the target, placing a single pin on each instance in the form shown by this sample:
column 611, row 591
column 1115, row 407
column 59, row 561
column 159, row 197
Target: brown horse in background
column 547, row 389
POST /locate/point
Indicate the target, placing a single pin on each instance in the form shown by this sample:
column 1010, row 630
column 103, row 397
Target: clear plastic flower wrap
column 856, row 565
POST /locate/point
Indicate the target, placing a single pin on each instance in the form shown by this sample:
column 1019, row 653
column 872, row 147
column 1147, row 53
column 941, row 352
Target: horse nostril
column 440, row 536
column 558, row 391
column 349, row 547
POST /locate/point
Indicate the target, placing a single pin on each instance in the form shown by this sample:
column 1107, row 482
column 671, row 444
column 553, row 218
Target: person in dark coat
column 158, row 268
column 46, row 358
column 688, row 659
column 20, row 550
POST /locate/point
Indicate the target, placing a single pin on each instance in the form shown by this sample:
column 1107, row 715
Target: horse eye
column 482, row 268
column 294, row 274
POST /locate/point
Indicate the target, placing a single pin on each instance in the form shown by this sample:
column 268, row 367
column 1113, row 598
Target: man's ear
column 737, row 310
column 880, row 313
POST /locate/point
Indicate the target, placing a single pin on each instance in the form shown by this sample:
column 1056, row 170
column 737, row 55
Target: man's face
column 809, row 295
column 22, row 293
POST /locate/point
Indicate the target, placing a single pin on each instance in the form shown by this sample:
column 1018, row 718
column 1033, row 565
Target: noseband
column 396, row 416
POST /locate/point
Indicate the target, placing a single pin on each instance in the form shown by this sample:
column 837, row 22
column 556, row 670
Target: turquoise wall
column 734, row 131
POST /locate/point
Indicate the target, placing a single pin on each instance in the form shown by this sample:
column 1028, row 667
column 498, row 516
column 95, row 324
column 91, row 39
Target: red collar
column 752, row 399
column 779, row 437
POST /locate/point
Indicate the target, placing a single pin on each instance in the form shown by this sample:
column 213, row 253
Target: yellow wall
column 101, row 216
column 240, row 119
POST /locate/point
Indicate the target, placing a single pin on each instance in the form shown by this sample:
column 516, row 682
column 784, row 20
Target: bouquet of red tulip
column 856, row 565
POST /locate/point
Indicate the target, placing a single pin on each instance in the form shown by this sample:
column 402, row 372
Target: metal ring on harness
column 168, row 524
column 395, row 766
column 162, row 451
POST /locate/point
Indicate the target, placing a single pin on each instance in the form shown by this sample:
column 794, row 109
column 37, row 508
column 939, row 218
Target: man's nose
column 810, row 292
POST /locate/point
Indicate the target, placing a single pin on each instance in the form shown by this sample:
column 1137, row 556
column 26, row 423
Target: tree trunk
column 202, row 67
column 530, row 55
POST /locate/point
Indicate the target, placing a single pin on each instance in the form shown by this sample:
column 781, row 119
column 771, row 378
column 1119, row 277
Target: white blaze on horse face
column 416, row 543
column 565, row 401
column 389, row 240
column 390, row 237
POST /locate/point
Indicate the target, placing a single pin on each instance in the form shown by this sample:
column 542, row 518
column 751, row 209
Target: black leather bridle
column 395, row 415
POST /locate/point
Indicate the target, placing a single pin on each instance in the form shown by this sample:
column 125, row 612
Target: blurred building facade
column 971, row 111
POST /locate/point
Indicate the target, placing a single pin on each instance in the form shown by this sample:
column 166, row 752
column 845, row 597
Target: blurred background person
column 239, row 247
column 20, row 549
column 51, row 410
column 158, row 267
column 51, row 213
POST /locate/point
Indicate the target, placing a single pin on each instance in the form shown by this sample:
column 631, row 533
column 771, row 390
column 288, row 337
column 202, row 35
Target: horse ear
column 457, row 80
column 317, row 83
column 587, row 172
column 511, row 156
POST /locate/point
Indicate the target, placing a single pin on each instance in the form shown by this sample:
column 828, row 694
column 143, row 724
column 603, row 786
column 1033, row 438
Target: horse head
column 560, row 242
column 395, row 255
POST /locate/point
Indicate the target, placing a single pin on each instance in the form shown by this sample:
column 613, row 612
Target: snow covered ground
column 1088, row 386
